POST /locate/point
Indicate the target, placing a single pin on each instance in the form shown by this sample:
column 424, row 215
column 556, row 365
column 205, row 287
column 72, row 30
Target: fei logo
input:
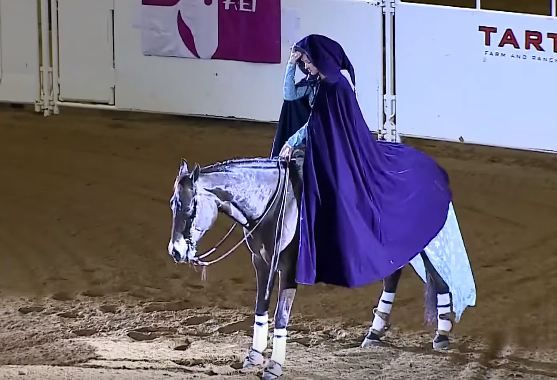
column 241, row 30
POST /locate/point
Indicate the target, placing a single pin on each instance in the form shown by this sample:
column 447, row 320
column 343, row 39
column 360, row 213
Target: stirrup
column 385, row 317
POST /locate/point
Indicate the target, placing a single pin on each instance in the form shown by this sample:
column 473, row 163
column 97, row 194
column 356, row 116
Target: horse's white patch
column 181, row 247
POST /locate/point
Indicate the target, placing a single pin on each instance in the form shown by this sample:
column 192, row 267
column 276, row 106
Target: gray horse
column 262, row 195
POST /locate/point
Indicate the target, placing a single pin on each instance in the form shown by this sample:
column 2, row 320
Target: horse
column 263, row 196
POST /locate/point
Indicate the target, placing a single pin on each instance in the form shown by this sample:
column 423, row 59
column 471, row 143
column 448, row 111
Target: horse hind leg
column 445, row 321
column 381, row 313
column 445, row 316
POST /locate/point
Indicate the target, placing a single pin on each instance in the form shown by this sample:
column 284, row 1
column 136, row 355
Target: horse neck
column 249, row 187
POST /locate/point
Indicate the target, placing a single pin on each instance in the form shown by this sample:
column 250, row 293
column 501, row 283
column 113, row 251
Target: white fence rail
column 448, row 73
column 19, row 52
column 99, row 62
column 476, row 76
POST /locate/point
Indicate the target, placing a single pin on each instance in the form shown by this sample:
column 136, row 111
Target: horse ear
column 195, row 173
column 183, row 167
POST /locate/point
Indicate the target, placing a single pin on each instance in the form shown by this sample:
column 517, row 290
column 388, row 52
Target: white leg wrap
column 443, row 307
column 378, row 323
column 444, row 325
column 386, row 302
column 279, row 346
column 260, row 332
column 385, row 305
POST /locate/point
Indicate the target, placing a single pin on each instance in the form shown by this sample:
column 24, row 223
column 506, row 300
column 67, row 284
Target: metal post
column 54, row 26
column 389, row 127
column 478, row 4
column 45, row 64
column 554, row 8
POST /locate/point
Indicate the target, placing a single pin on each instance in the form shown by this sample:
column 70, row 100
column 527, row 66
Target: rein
column 282, row 190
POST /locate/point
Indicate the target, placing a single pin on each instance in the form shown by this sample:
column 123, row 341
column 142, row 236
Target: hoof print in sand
column 232, row 363
column 69, row 314
column 238, row 365
column 94, row 293
column 85, row 332
column 140, row 337
column 197, row 320
column 150, row 332
column 108, row 308
column 194, row 286
column 30, row 309
column 184, row 346
column 62, row 296
column 306, row 342
column 167, row 306
column 154, row 329
column 244, row 325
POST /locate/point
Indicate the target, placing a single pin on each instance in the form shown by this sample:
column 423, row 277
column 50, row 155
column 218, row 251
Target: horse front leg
column 254, row 357
column 382, row 312
column 287, row 293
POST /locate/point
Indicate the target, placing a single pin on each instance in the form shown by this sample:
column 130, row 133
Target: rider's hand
column 294, row 56
column 286, row 151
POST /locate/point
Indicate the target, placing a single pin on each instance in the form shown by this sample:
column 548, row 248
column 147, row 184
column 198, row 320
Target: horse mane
column 238, row 163
column 248, row 163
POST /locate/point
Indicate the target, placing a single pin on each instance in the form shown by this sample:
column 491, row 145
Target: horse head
column 194, row 211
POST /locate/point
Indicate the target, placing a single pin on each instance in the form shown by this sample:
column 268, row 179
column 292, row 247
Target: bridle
column 281, row 192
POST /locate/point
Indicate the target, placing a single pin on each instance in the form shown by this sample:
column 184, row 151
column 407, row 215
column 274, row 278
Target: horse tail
column 430, row 302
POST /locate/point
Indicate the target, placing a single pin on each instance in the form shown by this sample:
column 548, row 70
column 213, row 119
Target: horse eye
column 175, row 204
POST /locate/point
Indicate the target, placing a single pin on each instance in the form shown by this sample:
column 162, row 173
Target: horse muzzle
column 180, row 251
column 176, row 255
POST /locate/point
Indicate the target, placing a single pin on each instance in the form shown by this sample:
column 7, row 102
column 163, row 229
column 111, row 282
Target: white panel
column 86, row 64
column 19, row 51
column 0, row 42
column 451, row 86
column 247, row 90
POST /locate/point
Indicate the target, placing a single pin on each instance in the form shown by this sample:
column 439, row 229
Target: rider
column 298, row 100
column 368, row 207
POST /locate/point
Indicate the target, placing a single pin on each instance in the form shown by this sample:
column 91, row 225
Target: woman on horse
column 368, row 207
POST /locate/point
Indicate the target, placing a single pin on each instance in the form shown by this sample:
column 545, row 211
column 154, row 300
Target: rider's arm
column 298, row 138
column 290, row 91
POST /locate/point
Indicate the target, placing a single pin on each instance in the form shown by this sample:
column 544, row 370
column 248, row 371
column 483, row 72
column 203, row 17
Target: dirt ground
column 88, row 291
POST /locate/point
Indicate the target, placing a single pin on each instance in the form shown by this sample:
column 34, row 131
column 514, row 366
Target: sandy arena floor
column 88, row 290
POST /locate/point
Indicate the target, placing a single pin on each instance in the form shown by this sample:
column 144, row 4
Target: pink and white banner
column 239, row 30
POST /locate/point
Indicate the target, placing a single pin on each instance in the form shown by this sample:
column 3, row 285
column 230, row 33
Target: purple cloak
column 368, row 207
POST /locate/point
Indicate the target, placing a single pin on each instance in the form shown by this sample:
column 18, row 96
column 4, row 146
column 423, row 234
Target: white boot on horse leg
column 444, row 322
column 380, row 323
column 255, row 357
column 273, row 369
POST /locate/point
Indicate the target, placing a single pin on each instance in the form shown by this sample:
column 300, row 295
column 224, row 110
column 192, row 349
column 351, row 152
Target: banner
column 239, row 30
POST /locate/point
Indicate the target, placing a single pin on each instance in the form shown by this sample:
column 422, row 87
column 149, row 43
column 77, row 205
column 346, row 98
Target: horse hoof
column 371, row 340
column 273, row 370
column 441, row 342
column 253, row 359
